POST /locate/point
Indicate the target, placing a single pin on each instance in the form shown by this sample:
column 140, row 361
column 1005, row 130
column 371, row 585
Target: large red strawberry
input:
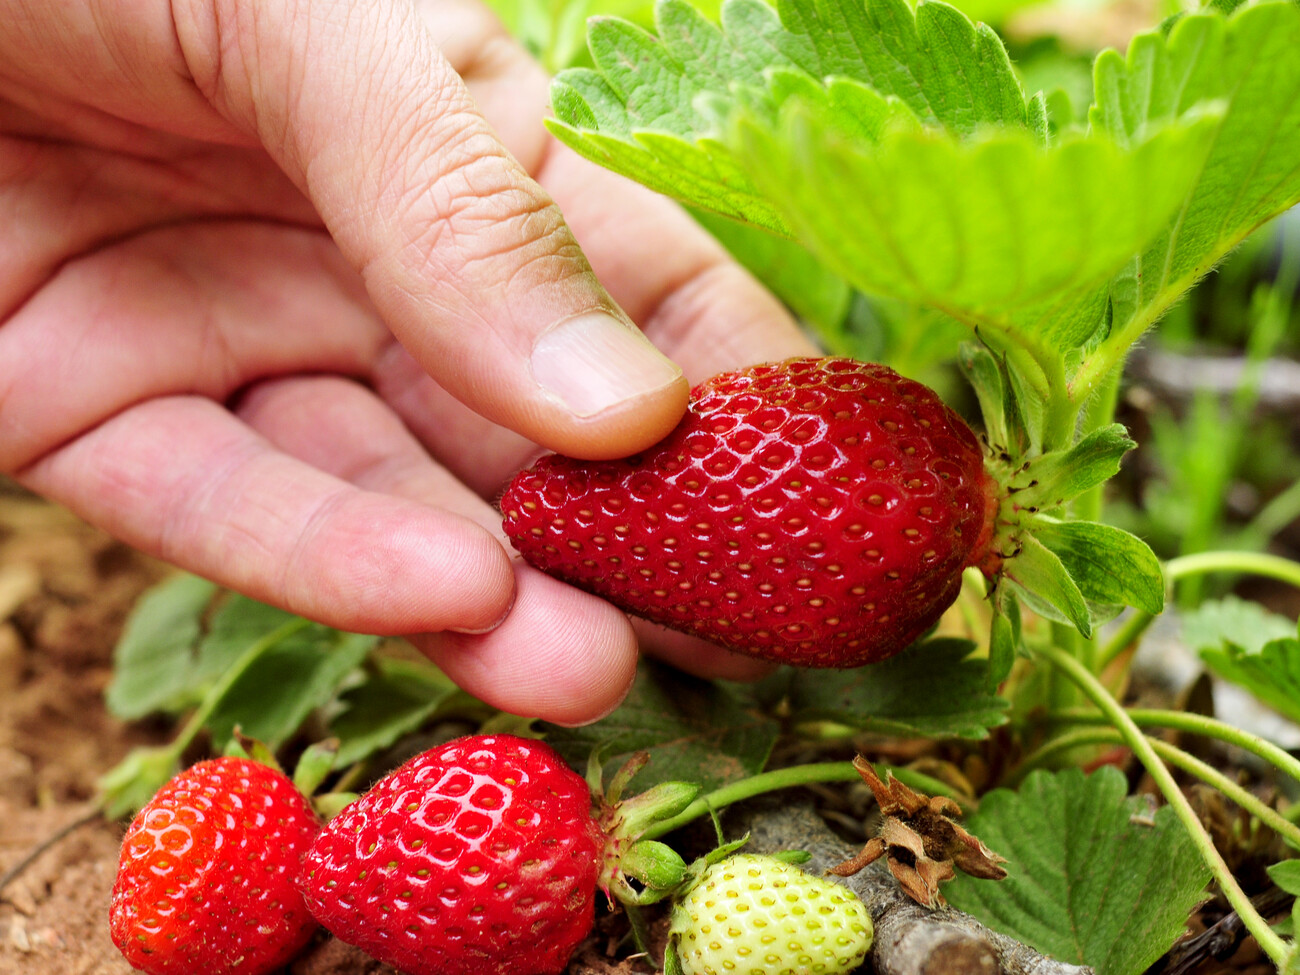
column 478, row 857
column 816, row 511
column 207, row 878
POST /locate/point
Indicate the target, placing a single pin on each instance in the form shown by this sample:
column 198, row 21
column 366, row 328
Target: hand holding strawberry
column 206, row 881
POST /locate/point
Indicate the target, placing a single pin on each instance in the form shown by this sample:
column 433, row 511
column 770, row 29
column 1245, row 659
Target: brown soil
column 64, row 592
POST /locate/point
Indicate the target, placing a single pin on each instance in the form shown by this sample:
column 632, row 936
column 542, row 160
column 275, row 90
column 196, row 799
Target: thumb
column 466, row 258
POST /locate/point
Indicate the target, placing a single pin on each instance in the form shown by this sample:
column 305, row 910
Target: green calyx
column 1066, row 570
column 637, row 872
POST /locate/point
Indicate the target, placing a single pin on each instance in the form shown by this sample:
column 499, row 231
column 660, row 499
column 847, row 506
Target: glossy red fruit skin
column 478, row 857
column 815, row 511
column 207, row 876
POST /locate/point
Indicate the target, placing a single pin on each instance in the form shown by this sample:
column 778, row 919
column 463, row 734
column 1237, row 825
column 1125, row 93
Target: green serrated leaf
column 396, row 698
column 290, row 678
column 1286, row 875
column 1041, row 573
column 811, row 291
column 652, row 109
column 1245, row 62
column 996, row 230
column 695, row 731
column 700, row 173
column 1232, row 619
column 1107, row 564
column 1055, row 478
column 1089, row 882
column 934, row 689
column 973, row 215
column 237, row 623
column 1272, row 674
column 153, row 662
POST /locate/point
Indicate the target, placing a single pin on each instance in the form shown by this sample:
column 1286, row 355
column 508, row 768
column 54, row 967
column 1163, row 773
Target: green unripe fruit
column 756, row 915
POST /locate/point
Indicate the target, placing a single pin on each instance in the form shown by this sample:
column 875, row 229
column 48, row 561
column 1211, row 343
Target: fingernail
column 595, row 361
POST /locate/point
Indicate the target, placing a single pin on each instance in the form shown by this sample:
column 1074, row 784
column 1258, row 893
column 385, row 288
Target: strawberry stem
column 1171, row 754
column 1114, row 713
column 791, row 777
column 1197, row 724
column 1201, row 563
column 1254, row 563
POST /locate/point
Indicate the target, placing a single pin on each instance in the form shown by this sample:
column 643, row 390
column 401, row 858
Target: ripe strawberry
column 206, row 881
column 478, row 857
column 756, row 915
column 813, row 511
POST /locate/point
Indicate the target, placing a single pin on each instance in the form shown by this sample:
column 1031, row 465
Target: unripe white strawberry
column 757, row 915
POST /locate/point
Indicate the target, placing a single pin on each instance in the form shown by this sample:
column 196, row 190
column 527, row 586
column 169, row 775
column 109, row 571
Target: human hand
column 281, row 304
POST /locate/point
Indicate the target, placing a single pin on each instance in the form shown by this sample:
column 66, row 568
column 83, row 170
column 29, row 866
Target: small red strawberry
column 478, row 857
column 206, row 881
column 816, row 511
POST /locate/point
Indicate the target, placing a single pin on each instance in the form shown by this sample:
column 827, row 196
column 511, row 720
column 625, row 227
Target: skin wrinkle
column 413, row 119
column 225, row 348
column 653, row 309
column 227, row 375
column 385, row 455
column 188, row 509
column 485, row 454
column 124, row 62
column 367, row 579
column 669, row 316
column 93, row 88
column 301, row 560
column 475, row 177
column 569, row 273
column 118, row 198
column 548, row 260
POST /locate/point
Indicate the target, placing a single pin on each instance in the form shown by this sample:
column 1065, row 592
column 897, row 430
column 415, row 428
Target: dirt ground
column 65, row 590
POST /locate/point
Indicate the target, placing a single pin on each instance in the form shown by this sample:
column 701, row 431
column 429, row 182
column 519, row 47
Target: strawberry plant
column 952, row 594
column 900, row 149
